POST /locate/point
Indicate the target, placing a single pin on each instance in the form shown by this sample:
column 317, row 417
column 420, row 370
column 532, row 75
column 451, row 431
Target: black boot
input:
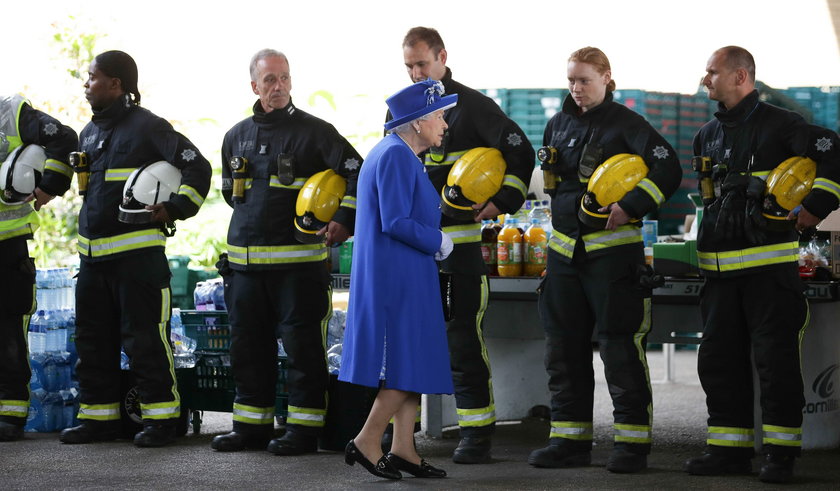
column 91, row 431
column 472, row 450
column 623, row 461
column 712, row 464
column 155, row 435
column 554, row 456
column 777, row 468
column 237, row 441
column 293, row 443
column 10, row 432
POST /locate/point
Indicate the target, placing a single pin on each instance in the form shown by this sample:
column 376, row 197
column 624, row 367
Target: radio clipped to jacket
column 286, row 169
column 81, row 166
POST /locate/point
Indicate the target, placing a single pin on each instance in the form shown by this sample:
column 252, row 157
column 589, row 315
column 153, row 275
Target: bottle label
column 488, row 252
column 505, row 253
column 536, row 253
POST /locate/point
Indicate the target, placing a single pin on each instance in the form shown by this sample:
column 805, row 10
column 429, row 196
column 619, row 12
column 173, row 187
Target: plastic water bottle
column 52, row 331
column 334, row 358
column 542, row 213
column 37, row 333
column 125, row 362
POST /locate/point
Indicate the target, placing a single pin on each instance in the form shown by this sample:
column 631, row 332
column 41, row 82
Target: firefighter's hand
column 617, row 218
column 486, row 211
column 41, row 198
column 334, row 233
column 159, row 213
column 804, row 219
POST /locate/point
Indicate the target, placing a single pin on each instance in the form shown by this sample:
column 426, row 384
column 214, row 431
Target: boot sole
column 581, row 460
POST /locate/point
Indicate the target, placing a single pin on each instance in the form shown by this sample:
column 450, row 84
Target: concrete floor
column 41, row 462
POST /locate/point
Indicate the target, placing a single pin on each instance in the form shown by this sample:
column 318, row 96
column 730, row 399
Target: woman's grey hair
column 261, row 55
column 406, row 127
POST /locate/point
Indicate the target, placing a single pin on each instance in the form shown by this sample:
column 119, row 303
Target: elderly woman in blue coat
column 395, row 315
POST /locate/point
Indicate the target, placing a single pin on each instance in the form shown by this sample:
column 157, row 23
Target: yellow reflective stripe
column 253, row 414
column 17, row 409
column 725, row 436
column 827, row 185
column 275, row 183
column 640, row 342
column 417, row 418
column 652, row 189
column 625, row 234
column 752, row 257
column 436, row 159
column 107, row 246
column 571, row 430
column 100, row 412
column 161, row 410
column 349, row 202
column 479, row 332
column 288, row 254
column 118, row 174
column 58, row 166
column 306, row 416
column 562, row 244
column 191, row 193
column 165, row 315
column 25, row 229
column 782, row 435
column 477, row 417
column 632, row 433
column 248, row 183
column 464, row 234
column 516, row 183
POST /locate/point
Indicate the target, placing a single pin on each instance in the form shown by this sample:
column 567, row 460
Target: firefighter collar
column 276, row 116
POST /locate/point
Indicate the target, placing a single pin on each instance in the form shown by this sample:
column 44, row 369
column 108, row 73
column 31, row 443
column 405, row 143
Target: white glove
column 445, row 247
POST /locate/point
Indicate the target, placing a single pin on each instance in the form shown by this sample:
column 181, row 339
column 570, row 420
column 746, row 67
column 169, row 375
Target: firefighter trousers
column 18, row 272
column 294, row 305
column 575, row 298
column 125, row 302
column 764, row 313
column 468, row 356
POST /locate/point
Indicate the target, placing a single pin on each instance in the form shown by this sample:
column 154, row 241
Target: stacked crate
column 530, row 108
column 823, row 102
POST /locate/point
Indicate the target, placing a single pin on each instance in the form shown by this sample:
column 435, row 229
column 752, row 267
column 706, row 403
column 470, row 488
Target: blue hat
column 417, row 100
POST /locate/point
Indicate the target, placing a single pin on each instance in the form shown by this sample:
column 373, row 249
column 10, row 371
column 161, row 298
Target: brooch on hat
column 434, row 88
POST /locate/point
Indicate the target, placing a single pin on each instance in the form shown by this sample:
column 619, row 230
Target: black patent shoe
column 710, row 464
column 155, row 435
column 777, row 468
column 90, row 432
column 383, row 468
column 293, row 443
column 423, row 470
column 235, row 442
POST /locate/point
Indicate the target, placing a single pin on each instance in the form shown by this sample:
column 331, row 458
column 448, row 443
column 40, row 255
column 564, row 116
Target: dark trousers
column 764, row 313
column 125, row 302
column 468, row 356
column 603, row 291
column 18, row 303
column 294, row 305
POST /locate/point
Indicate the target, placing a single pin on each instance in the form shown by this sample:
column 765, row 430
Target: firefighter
column 122, row 292
column 476, row 121
column 753, row 298
column 596, row 272
column 20, row 125
column 276, row 286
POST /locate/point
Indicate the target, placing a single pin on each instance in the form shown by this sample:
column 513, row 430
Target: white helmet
column 21, row 173
column 148, row 185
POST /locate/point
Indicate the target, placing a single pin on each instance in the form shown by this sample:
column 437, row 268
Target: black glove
column 223, row 265
column 733, row 203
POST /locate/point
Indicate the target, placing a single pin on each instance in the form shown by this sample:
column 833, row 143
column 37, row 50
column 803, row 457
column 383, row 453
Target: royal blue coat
column 394, row 286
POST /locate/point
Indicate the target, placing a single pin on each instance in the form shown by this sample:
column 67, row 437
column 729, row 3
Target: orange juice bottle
column 489, row 237
column 509, row 248
column 536, row 243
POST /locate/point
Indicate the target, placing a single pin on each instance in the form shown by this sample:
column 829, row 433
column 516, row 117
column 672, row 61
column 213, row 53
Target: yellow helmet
column 608, row 184
column 317, row 202
column 474, row 178
column 787, row 186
